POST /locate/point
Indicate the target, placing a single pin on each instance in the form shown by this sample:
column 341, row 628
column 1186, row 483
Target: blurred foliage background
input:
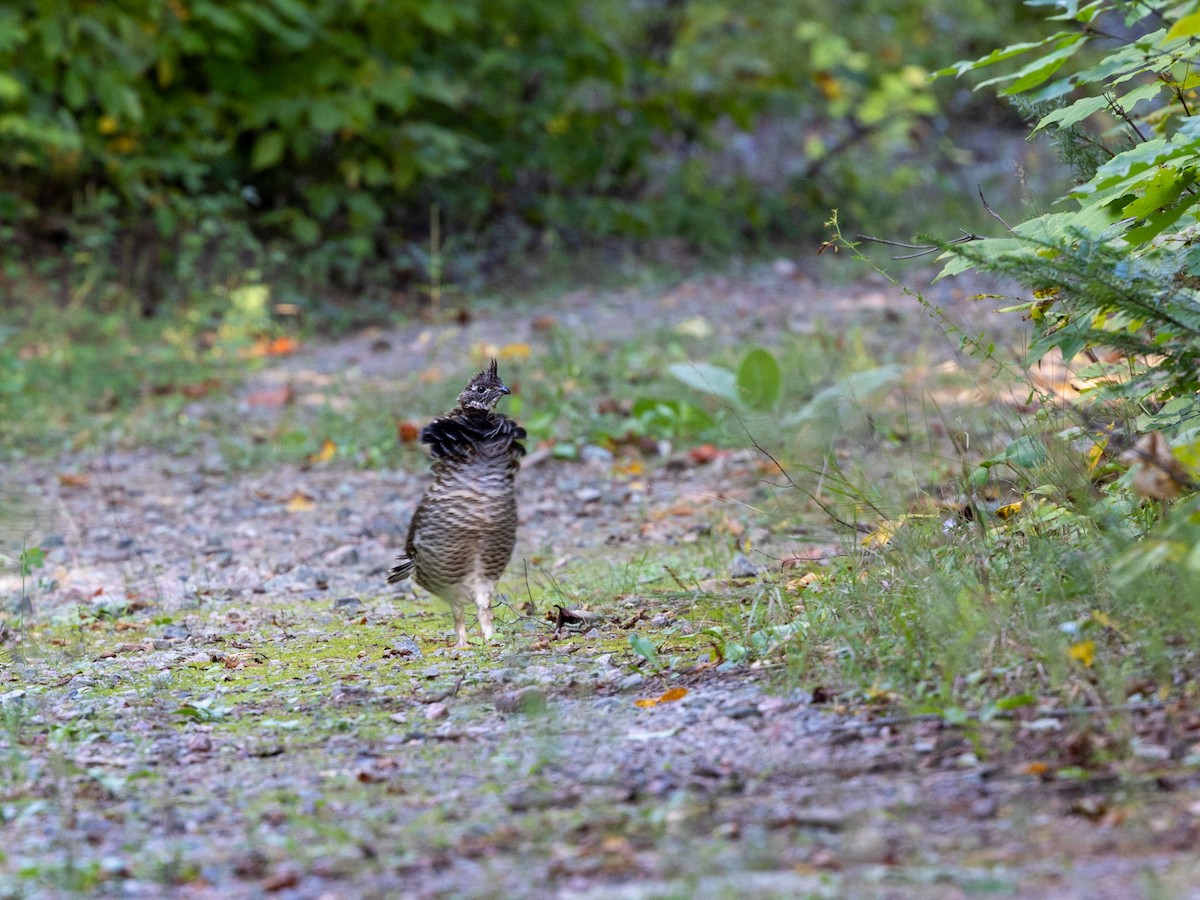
column 151, row 150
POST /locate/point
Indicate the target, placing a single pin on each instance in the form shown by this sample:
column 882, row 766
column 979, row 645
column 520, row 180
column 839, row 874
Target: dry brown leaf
column 407, row 431
column 1158, row 475
column 72, row 480
column 280, row 346
column 272, row 397
column 241, row 660
column 703, row 454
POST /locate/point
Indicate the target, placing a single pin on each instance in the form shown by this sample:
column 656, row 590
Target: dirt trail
column 217, row 696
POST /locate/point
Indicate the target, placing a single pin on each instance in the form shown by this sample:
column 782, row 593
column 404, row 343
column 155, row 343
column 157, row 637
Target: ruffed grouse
column 464, row 529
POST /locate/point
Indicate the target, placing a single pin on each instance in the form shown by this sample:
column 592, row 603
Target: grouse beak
column 504, row 389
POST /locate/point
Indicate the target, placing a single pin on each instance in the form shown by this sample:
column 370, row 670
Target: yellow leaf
column 630, row 469
column 646, row 703
column 1094, row 455
column 883, row 534
column 1185, row 27
column 807, row 581
column 514, row 351
column 326, row 453
column 107, row 125
column 300, row 503
column 672, row 694
column 1008, row 511
column 1083, row 653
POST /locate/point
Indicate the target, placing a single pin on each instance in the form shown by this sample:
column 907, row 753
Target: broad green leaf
column 644, row 648
column 1073, row 114
column 1162, row 188
column 838, row 399
column 758, row 379
column 710, row 379
column 268, row 150
column 1081, row 109
column 1012, row 50
column 1025, row 453
column 1186, row 27
column 1036, row 72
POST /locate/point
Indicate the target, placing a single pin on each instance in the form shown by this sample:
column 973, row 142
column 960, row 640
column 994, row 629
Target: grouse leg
column 483, row 600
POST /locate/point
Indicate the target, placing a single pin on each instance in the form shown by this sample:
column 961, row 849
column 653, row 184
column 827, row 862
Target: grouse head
column 483, row 391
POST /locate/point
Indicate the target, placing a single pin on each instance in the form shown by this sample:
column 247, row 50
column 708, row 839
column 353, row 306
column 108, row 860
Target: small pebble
column 526, row 700
column 629, row 682
column 742, row 567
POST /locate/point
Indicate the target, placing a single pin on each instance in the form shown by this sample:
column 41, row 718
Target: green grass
column 1057, row 604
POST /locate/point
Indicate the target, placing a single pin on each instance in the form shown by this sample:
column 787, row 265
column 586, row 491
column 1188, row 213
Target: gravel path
column 216, row 695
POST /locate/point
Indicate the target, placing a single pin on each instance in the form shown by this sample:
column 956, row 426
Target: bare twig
column 991, row 212
column 922, row 249
column 442, row 695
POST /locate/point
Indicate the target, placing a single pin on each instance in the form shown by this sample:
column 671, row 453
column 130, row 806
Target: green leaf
column 758, row 379
column 709, row 379
column 963, row 66
column 1039, row 70
column 1185, row 27
column 645, row 649
column 268, row 151
column 837, row 399
column 1023, row 453
column 1016, row 701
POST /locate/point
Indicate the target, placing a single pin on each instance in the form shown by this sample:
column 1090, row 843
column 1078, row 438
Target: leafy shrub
column 1119, row 269
column 169, row 141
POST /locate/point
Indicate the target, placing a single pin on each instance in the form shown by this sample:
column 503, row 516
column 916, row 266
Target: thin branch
column 991, row 212
column 763, row 450
column 922, row 249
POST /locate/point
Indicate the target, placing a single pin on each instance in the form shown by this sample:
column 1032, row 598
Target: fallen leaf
column 72, row 480
column 300, row 502
column 703, row 454
column 514, row 351
column 285, row 877
column 407, row 431
column 1034, row 768
column 326, row 453
column 272, row 397
column 1009, row 510
column 1083, row 653
column 1157, row 474
column 241, row 660
column 280, row 346
column 668, row 696
column 630, row 469
column 809, row 581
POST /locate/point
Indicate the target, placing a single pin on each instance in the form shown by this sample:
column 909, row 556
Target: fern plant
column 1120, row 267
